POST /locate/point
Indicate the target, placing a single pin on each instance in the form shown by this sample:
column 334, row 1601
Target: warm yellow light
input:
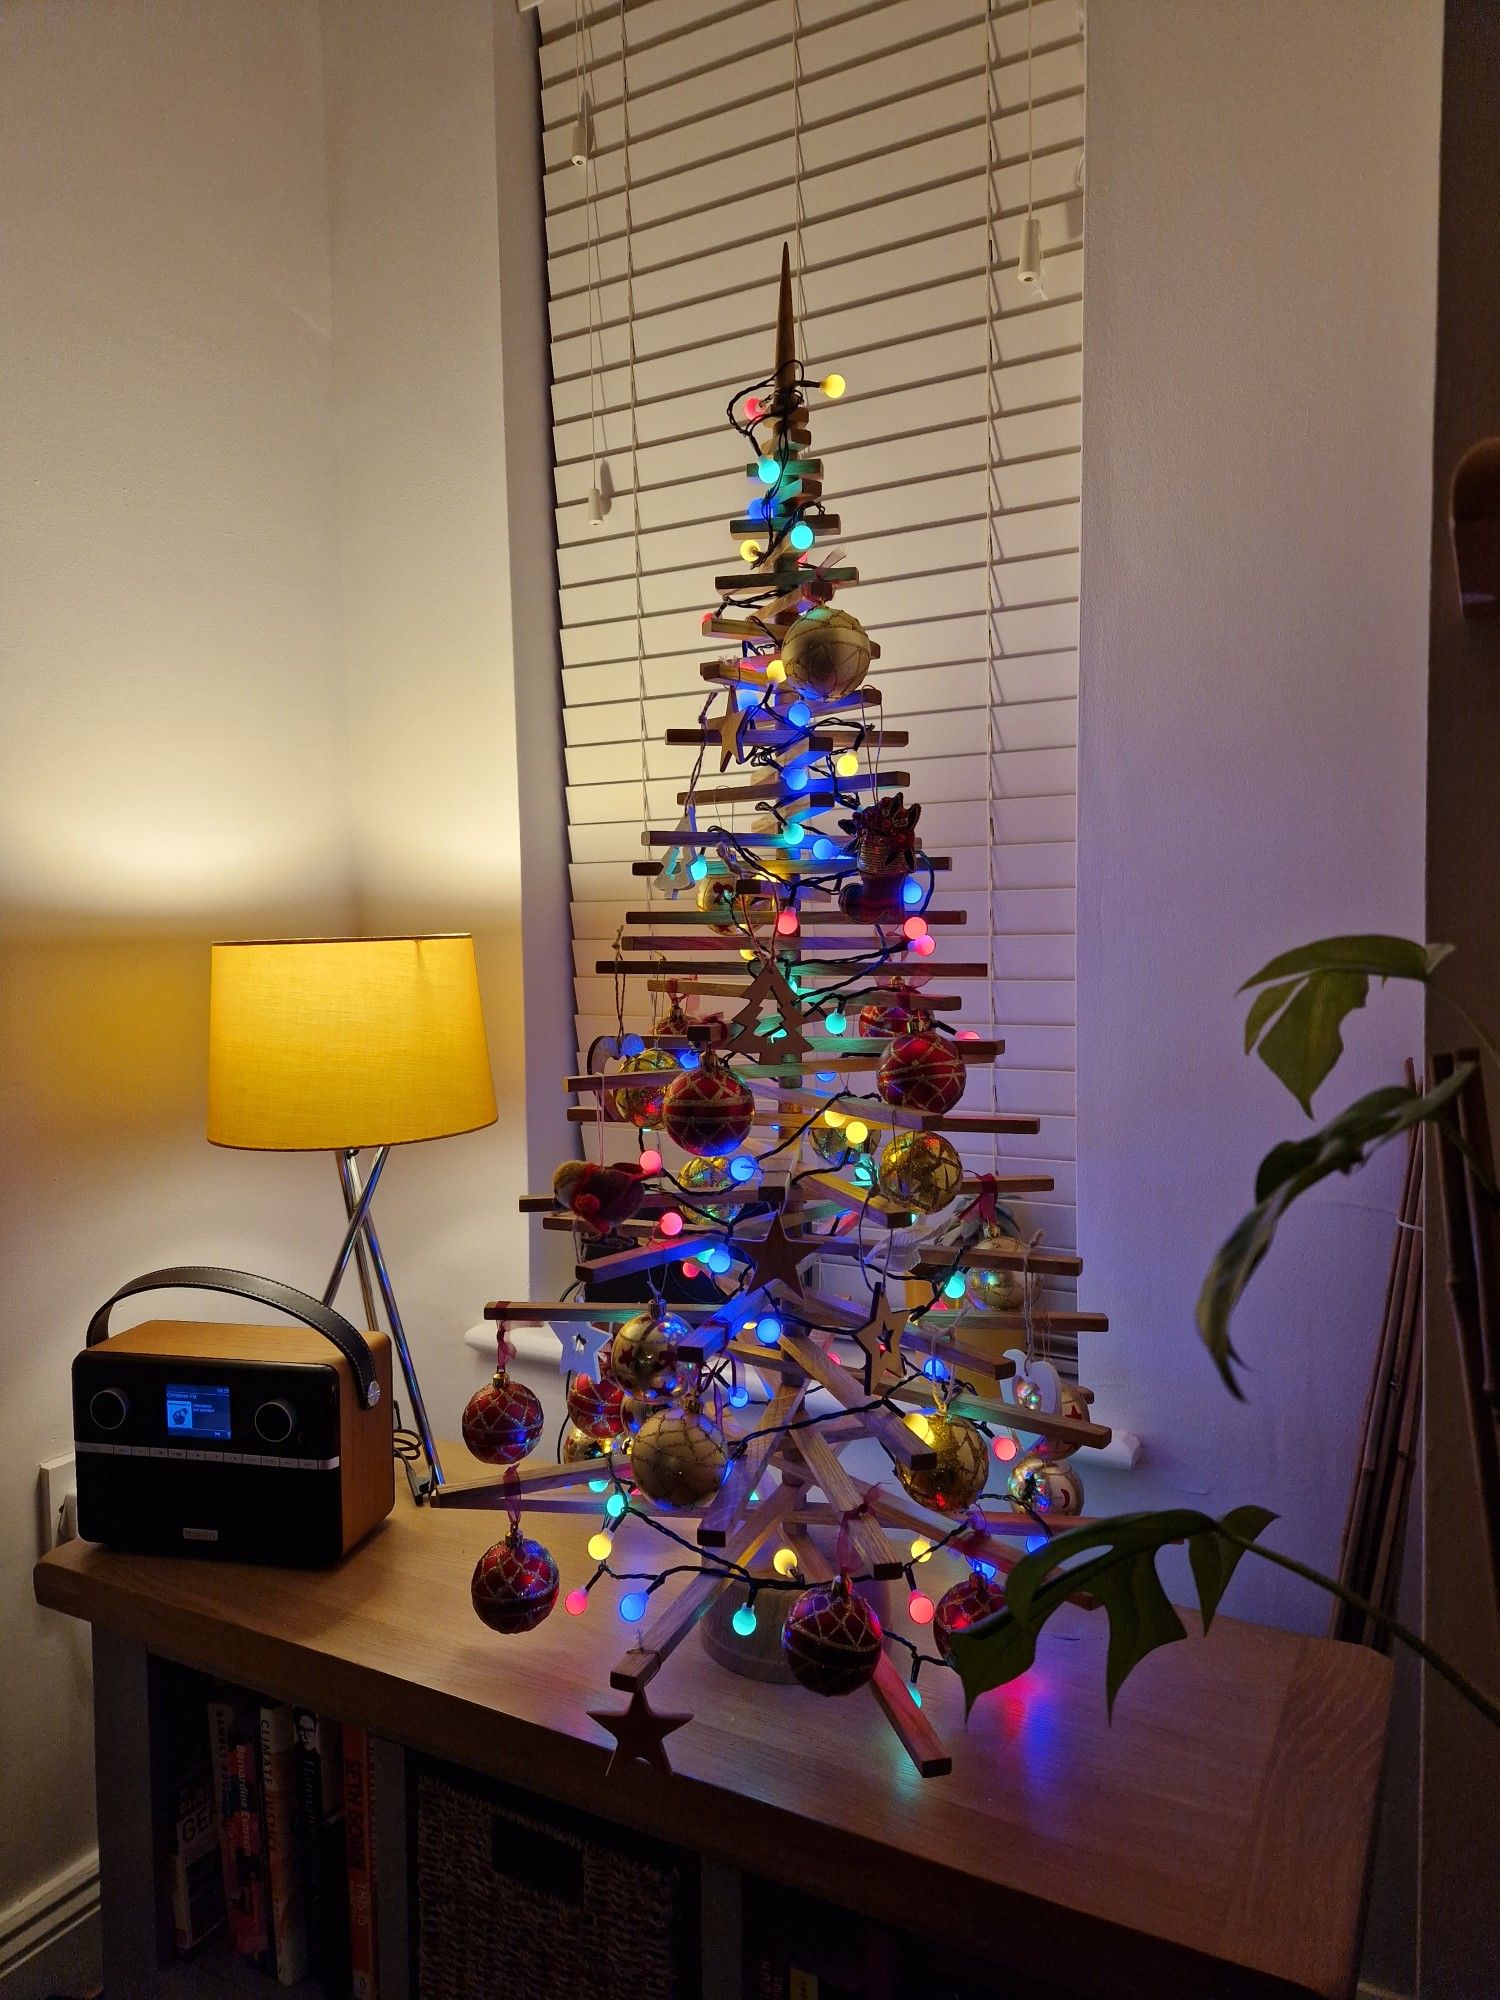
column 320, row 1043
column 750, row 551
column 775, row 671
column 746, row 953
column 856, row 1131
column 834, row 1118
column 921, row 1550
column 833, row 386
column 599, row 1548
column 847, row 765
column 918, row 1423
column 784, row 1561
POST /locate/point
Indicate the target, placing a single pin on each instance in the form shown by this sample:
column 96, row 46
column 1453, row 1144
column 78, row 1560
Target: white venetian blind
column 894, row 142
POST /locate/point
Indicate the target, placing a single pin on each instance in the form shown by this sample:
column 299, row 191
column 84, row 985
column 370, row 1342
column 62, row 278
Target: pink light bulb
column 754, row 408
column 670, row 1223
column 787, row 923
column 576, row 1602
column 692, row 1268
column 919, row 1608
column 925, row 945
column 967, row 1035
column 650, row 1160
column 915, row 927
column 1005, row 1449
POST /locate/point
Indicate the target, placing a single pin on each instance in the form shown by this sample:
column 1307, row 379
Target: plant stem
column 1460, row 1683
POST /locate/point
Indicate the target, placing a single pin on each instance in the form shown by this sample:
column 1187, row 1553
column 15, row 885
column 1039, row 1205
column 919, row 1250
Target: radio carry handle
column 265, row 1291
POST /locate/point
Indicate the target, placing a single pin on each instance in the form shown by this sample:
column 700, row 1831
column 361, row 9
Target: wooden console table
column 1214, row 1841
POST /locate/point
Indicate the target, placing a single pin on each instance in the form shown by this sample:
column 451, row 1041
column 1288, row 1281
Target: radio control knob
column 275, row 1422
column 109, row 1408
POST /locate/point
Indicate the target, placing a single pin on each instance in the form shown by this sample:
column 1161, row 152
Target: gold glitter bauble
column 643, row 1355
column 957, row 1480
column 992, row 1291
column 641, row 1106
column 921, row 1171
column 1042, row 1488
column 826, row 653
column 698, row 1177
column 679, row 1458
column 832, row 1144
column 578, row 1446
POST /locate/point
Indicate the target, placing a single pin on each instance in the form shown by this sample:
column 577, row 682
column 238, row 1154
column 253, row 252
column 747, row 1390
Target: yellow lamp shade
column 320, row 1043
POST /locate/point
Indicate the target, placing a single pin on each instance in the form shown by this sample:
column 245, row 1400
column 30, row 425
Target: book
column 220, row 1719
column 318, row 1761
column 283, row 1861
column 246, row 1888
column 197, row 1866
column 358, row 1834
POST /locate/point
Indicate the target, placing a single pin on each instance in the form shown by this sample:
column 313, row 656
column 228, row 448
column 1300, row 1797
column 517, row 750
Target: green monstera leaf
column 1288, row 1171
column 1115, row 1561
column 1296, row 1017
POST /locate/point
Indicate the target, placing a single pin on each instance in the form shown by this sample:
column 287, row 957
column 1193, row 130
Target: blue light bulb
column 826, row 1075
column 743, row 1621
column 746, row 697
column 769, row 471
column 717, row 1259
column 911, row 892
column 597, row 1485
column 632, row 1046
column 796, row 780
column 823, row 848
column 835, row 1022
column 739, row 1396
column 698, row 868
column 791, row 834
column 864, row 1173
column 768, row 1330
column 742, row 1168
column 934, row 1370
column 984, row 1569
column 801, row 536
column 633, row 1606
column 614, row 1506
column 1035, row 1542
column 916, row 1695
column 688, row 1059
column 760, row 507
column 953, row 1285
column 799, row 715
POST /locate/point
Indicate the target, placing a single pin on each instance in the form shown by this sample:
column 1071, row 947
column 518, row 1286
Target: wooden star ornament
column 731, row 728
column 775, row 1256
column 880, row 1340
column 581, row 1348
column 640, row 1733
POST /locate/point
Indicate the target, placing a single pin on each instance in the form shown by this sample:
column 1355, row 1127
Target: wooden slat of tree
column 716, row 1527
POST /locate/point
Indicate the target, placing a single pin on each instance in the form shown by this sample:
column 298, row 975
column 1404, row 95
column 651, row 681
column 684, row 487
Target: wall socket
column 57, row 1500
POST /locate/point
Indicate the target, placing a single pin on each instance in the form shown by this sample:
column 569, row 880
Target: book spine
column 320, row 1836
column 283, row 1875
column 247, row 1842
column 197, row 1880
column 220, row 1722
column 358, row 1832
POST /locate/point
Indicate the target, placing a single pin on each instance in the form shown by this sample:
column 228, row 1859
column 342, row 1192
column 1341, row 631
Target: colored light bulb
column 966, row 1035
column 847, row 764
column 918, row 1423
column 743, row 1621
column 923, row 946
column 739, row 1396
column 769, row 471
column 823, row 848
column 775, row 671
column 650, row 1161
column 718, row 1258
column 784, row 1562
column 670, row 1223
column 692, row 1268
column 836, row 1022
column 915, row 927
column 791, row 834
column 935, row 1370
column 1035, row 1542
column 801, row 536
column 1004, row 1449
column 768, row 1330
column 796, row 780
column 864, row 1173
column 911, row 891
column 787, row 924
column 833, row 386
column 746, row 953
column 799, row 715
column 600, row 1546
column 576, row 1602
column 689, row 1059
column 749, row 550
column 697, row 868
column 742, row 1168
column 953, row 1285
column 615, row 1505
column 632, row 1046
column 745, row 697
column 837, row 1119
column 754, row 408
column 826, row 1076
column 916, row 1696
column 920, row 1607
column 633, row 1606
column 921, row 1550
column 856, row 1131
column 598, row 1485
column 984, row 1569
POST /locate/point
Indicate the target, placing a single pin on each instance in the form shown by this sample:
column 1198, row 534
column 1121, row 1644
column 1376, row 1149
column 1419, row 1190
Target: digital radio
column 264, row 1444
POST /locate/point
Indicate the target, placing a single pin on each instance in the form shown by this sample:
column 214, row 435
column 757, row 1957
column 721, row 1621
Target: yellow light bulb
column 834, row 1118
column 847, row 765
column 784, row 1561
column 917, row 1422
column 856, row 1131
column 746, row 953
column 599, row 1547
column 775, row 671
column 750, row 551
column 833, row 386
column 921, row 1550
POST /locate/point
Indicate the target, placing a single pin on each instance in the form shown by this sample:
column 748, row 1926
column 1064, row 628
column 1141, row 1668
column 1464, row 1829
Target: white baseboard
column 49, row 1939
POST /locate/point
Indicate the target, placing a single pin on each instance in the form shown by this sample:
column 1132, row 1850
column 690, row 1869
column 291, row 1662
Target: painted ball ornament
column 641, row 1104
column 708, row 1111
column 921, row 1073
column 921, row 1171
column 514, row 1585
column 833, row 1145
column 956, row 1481
column 964, row 1605
column 831, row 1639
column 900, row 1013
column 502, row 1421
column 1070, row 1404
column 643, row 1357
column 1042, row 1487
column 594, row 1406
column 679, row 1458
column 579, row 1447
column 826, row 653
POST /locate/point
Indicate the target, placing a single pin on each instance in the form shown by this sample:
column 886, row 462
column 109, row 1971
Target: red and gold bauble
column 514, row 1584
column 595, row 1406
column 957, row 1479
column 643, row 1357
column 600, row 1197
column 901, row 1014
column 964, row 1605
column 641, row 1104
column 921, row 1073
column 709, row 1110
column 502, row 1421
column 1039, row 1487
column 679, row 1458
column 831, row 1639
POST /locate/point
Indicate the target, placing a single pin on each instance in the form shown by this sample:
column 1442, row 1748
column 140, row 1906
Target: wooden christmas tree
column 796, row 1266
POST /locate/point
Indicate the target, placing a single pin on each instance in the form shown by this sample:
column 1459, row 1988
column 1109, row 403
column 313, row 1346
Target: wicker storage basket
column 523, row 1900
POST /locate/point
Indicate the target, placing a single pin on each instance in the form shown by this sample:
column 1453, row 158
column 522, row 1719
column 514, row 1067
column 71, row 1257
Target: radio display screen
column 197, row 1409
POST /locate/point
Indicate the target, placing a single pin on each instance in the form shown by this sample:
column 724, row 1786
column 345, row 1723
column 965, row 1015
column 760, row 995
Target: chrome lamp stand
column 361, row 1241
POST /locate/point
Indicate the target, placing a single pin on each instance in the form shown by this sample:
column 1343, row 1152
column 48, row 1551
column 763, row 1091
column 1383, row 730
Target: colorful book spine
column 358, row 1833
column 320, row 1829
column 197, row 1868
column 220, row 1721
column 247, row 1844
column 283, row 1862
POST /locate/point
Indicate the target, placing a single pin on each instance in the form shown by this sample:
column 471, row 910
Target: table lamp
column 340, row 1044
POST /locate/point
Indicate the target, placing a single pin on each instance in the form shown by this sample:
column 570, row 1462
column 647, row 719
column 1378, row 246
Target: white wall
column 171, row 734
